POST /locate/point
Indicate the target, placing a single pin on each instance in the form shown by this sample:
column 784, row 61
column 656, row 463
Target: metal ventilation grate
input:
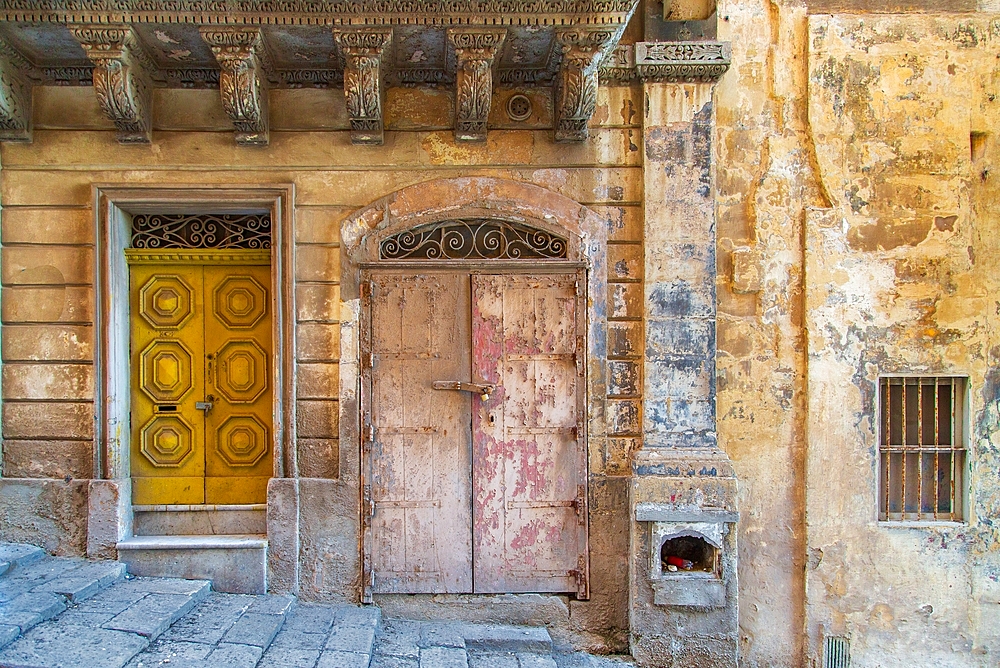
column 837, row 652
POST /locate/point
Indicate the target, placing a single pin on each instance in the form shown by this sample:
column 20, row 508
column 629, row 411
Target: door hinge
column 368, row 505
column 580, row 503
column 580, row 354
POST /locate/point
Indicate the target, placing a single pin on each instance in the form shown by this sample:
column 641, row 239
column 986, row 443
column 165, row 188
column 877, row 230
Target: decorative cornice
column 364, row 80
column 241, row 56
column 121, row 78
column 321, row 12
column 197, row 256
column 15, row 95
column 476, row 53
column 682, row 62
column 576, row 87
column 618, row 68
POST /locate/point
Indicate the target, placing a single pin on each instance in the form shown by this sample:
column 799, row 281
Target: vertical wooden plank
column 527, row 478
column 420, row 456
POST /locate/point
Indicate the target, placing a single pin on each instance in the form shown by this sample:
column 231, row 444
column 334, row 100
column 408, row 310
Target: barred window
column 922, row 448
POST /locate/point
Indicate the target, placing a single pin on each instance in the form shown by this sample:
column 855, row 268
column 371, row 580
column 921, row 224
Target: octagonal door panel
column 200, row 333
column 239, row 436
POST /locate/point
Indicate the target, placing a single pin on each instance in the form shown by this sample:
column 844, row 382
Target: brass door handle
column 484, row 390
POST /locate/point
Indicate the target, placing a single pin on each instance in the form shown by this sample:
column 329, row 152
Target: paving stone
column 254, row 629
column 528, row 660
column 394, row 662
column 22, row 620
column 399, row 638
column 45, row 605
column 288, row 657
column 272, row 605
column 496, row 637
column 338, row 659
column 209, row 622
column 354, row 616
column 443, row 657
column 24, row 579
column 73, row 617
column 152, row 615
column 357, row 639
column 20, row 554
column 299, row 639
column 4, row 567
column 55, row 646
column 311, row 618
column 442, row 635
column 492, row 660
column 234, row 656
column 8, row 634
column 83, row 582
column 170, row 653
column 164, row 586
column 100, row 603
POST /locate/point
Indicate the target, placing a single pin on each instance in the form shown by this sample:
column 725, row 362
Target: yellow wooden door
column 201, row 377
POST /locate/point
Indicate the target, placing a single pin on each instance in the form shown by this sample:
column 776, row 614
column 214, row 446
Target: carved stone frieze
column 618, row 68
column 364, row 52
column 476, row 52
column 121, row 78
column 15, row 95
column 682, row 62
column 242, row 57
column 576, row 87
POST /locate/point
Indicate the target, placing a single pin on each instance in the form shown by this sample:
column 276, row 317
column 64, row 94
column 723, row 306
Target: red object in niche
column 680, row 563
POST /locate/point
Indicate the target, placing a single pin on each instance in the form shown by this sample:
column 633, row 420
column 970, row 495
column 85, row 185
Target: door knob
column 484, row 390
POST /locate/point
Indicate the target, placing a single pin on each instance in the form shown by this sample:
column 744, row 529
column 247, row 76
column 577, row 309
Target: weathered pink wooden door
column 470, row 494
column 529, row 471
column 419, row 458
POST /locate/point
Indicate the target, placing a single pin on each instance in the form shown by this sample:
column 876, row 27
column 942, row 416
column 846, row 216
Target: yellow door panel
column 201, row 381
column 238, row 340
column 168, row 434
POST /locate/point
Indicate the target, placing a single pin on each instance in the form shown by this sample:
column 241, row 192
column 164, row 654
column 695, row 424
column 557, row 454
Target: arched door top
column 517, row 206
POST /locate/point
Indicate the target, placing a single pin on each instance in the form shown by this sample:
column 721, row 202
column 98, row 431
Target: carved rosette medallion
column 242, row 58
column 121, row 78
column 576, row 87
column 15, row 95
column 682, row 62
column 476, row 53
column 363, row 51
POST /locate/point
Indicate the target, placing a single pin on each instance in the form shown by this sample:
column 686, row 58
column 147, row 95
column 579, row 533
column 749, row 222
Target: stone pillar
column 683, row 491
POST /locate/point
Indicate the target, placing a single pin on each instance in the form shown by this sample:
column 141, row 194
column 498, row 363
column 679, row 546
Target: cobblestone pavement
column 74, row 613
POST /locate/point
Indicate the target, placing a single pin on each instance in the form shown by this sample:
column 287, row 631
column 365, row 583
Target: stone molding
column 618, row 68
column 576, row 86
column 121, row 78
column 243, row 61
column 15, row 95
column 364, row 80
column 476, row 50
column 322, row 12
column 682, row 62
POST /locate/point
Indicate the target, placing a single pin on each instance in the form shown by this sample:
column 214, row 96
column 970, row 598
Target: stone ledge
column 662, row 512
column 231, row 542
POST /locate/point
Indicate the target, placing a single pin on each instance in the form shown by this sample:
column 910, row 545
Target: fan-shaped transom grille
column 473, row 239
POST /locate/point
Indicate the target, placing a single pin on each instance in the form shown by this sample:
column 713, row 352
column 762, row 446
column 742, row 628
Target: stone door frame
column 110, row 513
column 462, row 198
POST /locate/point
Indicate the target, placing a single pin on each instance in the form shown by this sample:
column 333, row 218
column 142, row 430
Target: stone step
column 36, row 587
column 503, row 638
column 235, row 564
column 199, row 520
column 19, row 554
column 333, row 636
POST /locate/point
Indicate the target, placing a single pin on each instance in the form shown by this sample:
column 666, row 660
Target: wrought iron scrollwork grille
column 473, row 239
column 201, row 231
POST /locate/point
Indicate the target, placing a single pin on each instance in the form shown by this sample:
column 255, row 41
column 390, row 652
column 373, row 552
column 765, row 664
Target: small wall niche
column 690, row 554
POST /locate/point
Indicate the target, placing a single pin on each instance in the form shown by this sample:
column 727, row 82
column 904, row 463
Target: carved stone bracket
column 364, row 80
column 476, row 53
column 682, row 62
column 121, row 78
column 15, row 95
column 576, row 88
column 242, row 58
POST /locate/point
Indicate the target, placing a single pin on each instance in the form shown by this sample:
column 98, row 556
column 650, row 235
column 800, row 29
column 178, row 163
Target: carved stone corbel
column 121, row 78
column 242, row 58
column 364, row 80
column 576, row 88
column 476, row 51
column 15, row 95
